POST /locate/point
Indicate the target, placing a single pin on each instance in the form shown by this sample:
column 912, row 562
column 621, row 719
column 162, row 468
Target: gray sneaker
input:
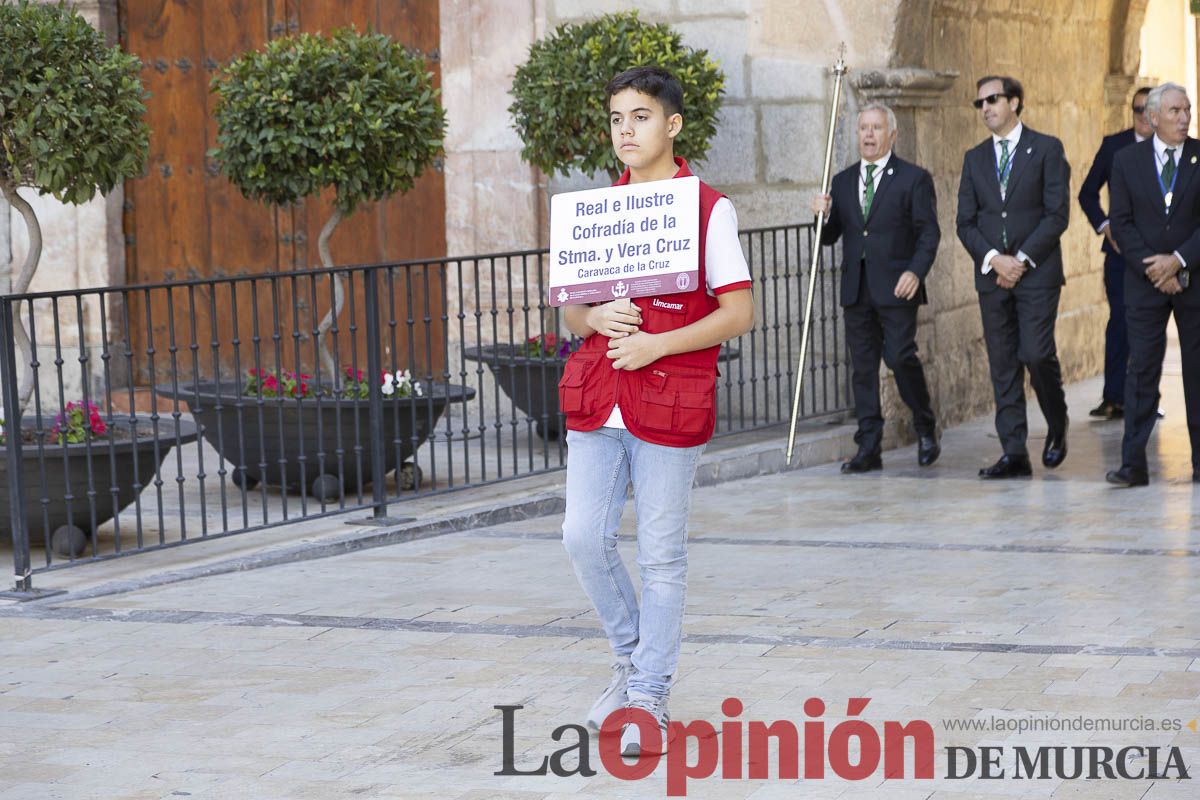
column 615, row 696
column 631, row 735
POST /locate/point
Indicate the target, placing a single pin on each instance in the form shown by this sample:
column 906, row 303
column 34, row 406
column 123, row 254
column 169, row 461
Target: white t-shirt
column 724, row 266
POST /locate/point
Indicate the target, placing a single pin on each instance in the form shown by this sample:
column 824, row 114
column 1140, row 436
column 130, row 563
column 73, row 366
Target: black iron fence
column 144, row 417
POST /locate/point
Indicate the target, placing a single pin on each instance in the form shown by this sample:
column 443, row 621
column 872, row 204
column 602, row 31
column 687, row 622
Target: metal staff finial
column 839, row 72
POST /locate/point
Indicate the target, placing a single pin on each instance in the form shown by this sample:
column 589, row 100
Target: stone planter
column 321, row 445
column 532, row 382
column 113, row 470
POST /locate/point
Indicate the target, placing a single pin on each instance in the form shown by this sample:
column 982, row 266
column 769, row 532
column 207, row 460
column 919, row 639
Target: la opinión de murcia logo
column 820, row 750
column 743, row 751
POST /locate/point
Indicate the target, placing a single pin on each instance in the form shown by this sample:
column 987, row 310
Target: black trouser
column 1116, row 340
column 1018, row 328
column 888, row 332
column 1147, row 346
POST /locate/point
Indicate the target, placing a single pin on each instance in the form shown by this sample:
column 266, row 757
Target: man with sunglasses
column 1116, row 342
column 1013, row 206
column 1155, row 203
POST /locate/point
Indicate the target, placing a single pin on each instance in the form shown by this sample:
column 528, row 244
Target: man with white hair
column 1155, row 212
column 885, row 211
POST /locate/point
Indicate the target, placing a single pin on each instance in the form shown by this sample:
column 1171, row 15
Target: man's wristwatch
column 1183, row 277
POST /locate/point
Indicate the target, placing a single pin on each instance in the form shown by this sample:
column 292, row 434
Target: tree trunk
column 339, row 298
column 21, row 286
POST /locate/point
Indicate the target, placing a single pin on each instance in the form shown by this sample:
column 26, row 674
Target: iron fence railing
column 144, row 417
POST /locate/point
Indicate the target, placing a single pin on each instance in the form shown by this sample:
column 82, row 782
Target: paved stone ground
column 375, row 673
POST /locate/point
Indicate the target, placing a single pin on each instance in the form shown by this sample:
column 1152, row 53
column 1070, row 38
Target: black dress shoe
column 1196, row 476
column 1008, row 467
column 1056, row 448
column 1128, row 476
column 863, row 461
column 1108, row 410
column 928, row 450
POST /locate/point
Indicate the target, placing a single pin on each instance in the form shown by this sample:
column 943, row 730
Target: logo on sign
column 683, row 281
column 563, row 296
column 620, row 289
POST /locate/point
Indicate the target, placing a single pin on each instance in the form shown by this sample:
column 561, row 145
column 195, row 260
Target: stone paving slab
column 375, row 672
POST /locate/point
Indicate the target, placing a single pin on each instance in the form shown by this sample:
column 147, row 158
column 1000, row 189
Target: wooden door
column 184, row 221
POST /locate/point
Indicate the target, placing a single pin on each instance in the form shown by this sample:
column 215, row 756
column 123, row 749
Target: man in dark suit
column 885, row 210
column 1013, row 205
column 1116, row 343
column 1155, row 212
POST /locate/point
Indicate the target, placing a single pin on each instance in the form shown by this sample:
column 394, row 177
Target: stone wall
column 776, row 56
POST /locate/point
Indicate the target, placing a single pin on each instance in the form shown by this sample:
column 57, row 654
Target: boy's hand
column 615, row 319
column 635, row 350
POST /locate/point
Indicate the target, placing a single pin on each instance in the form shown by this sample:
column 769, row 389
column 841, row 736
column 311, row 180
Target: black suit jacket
column 901, row 233
column 1098, row 175
column 1034, row 212
column 1142, row 226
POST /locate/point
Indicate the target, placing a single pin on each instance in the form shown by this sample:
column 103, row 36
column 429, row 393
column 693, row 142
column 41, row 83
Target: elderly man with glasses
column 1116, row 342
column 1013, row 206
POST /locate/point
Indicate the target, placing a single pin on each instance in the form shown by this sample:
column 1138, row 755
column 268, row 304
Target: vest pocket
column 658, row 409
column 676, row 411
column 695, row 411
column 570, row 388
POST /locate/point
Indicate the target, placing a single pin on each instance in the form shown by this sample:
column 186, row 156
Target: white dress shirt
column 1013, row 138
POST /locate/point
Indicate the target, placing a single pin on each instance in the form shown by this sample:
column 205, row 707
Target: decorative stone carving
column 903, row 87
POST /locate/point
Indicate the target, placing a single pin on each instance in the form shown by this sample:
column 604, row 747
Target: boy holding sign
column 639, row 396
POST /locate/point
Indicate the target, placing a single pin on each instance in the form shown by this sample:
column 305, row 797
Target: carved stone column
column 905, row 90
column 1117, row 89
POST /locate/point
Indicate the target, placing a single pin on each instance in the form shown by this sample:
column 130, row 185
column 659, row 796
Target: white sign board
column 625, row 241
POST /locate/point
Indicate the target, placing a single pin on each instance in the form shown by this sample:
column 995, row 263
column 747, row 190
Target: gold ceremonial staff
column 839, row 71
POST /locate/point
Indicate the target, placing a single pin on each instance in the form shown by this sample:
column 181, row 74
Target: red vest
column 670, row 402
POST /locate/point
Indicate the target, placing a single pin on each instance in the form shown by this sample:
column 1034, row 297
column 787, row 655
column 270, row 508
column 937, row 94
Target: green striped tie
column 1168, row 170
column 869, row 192
column 1004, row 158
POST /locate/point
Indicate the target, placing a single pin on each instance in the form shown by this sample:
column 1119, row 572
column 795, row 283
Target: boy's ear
column 674, row 125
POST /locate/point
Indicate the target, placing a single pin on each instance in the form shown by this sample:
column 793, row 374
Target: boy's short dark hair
column 653, row 81
column 1012, row 88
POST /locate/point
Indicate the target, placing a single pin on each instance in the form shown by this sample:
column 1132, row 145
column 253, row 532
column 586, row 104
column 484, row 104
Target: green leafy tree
column 71, row 122
column 559, row 109
column 353, row 112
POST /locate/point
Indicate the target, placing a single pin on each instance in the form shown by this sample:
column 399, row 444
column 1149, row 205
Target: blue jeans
column 600, row 466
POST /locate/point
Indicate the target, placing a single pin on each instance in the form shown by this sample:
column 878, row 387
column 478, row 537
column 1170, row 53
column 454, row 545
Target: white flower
column 418, row 390
column 388, row 389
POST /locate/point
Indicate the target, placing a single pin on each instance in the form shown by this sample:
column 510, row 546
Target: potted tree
column 558, row 109
column 559, row 112
column 71, row 125
column 358, row 115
